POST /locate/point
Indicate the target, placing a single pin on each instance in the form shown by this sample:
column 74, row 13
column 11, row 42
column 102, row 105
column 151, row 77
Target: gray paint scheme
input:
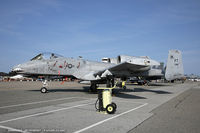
column 174, row 68
column 87, row 70
column 124, row 66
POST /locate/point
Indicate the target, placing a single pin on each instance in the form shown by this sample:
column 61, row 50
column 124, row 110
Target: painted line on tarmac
column 10, row 129
column 23, row 104
column 126, row 101
column 100, row 122
column 47, row 112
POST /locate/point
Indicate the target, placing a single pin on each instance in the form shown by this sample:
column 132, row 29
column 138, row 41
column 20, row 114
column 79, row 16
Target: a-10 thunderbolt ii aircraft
column 50, row 64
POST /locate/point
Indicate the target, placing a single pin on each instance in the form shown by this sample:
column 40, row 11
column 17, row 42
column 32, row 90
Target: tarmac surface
column 179, row 115
column 69, row 107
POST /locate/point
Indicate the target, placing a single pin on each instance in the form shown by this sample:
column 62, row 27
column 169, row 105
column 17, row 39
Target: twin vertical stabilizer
column 174, row 68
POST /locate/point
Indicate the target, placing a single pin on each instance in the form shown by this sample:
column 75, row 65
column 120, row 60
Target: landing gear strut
column 44, row 89
column 93, row 87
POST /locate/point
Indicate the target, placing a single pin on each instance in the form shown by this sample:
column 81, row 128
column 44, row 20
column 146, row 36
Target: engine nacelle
column 109, row 60
column 133, row 59
column 144, row 60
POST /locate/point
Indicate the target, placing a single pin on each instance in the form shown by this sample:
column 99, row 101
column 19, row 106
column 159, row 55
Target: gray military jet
column 50, row 64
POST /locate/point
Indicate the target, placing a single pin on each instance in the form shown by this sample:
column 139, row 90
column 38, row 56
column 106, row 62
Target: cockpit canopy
column 46, row 56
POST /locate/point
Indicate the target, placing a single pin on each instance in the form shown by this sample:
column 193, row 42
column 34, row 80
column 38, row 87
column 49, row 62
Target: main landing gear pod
column 105, row 101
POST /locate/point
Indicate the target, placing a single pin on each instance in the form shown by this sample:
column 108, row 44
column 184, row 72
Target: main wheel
column 110, row 109
column 43, row 90
column 124, row 87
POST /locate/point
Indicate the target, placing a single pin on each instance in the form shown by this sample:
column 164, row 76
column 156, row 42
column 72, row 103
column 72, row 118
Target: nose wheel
column 43, row 90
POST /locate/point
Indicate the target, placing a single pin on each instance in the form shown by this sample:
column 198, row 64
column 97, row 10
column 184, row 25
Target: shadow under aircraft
column 150, row 90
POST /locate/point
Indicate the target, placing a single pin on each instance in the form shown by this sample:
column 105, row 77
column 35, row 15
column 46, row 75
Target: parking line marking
column 37, row 114
column 23, row 104
column 12, row 129
column 126, row 101
column 100, row 122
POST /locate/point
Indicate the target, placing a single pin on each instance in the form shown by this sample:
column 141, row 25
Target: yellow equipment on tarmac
column 124, row 85
column 105, row 101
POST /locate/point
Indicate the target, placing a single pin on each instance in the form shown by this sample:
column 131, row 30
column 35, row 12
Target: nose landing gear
column 44, row 89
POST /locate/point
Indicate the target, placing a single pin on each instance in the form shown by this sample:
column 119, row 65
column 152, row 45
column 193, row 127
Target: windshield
column 45, row 56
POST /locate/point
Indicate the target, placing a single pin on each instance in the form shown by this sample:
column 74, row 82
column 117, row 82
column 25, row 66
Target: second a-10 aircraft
column 50, row 64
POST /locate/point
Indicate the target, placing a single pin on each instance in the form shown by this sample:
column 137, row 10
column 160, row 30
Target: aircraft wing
column 128, row 66
column 123, row 67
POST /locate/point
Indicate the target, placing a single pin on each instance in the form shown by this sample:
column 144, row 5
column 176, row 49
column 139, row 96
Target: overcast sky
column 99, row 28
